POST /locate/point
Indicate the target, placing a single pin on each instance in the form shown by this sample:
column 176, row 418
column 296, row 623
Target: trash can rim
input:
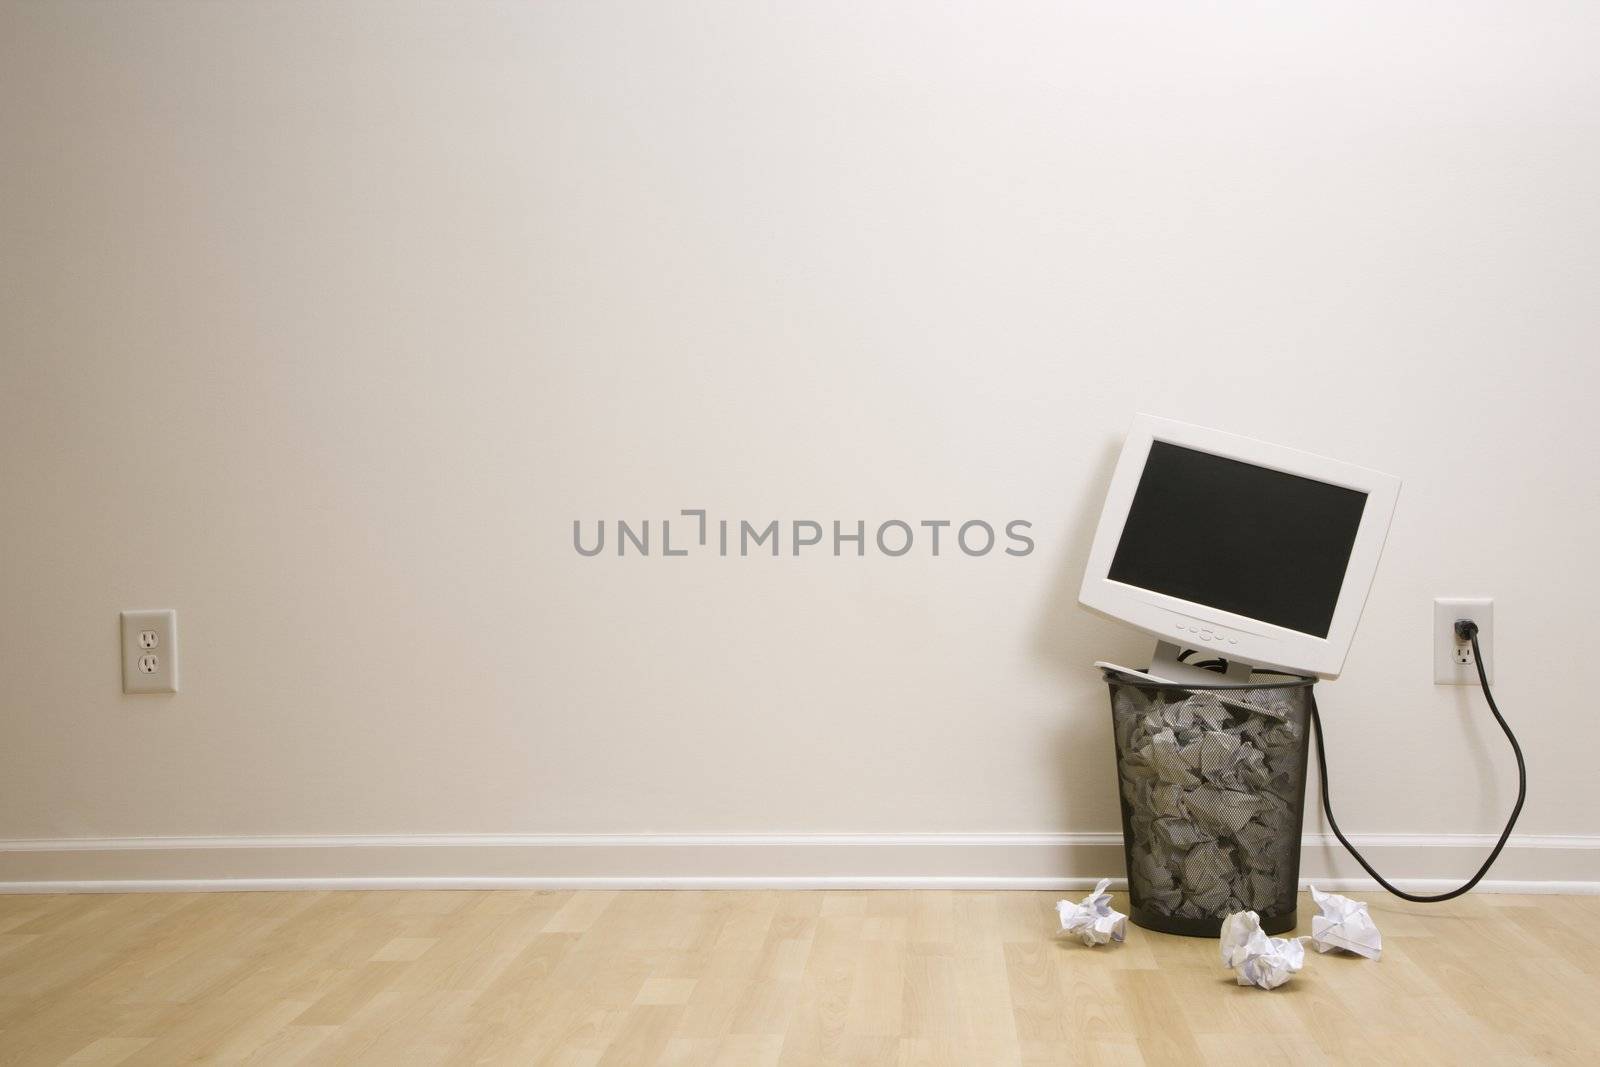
column 1284, row 681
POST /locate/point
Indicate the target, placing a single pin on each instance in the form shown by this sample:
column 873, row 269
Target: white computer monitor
column 1255, row 553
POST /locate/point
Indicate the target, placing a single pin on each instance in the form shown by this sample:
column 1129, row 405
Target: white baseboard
column 1427, row 863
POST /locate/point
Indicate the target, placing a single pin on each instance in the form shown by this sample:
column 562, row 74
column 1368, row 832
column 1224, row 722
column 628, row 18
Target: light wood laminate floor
column 750, row 978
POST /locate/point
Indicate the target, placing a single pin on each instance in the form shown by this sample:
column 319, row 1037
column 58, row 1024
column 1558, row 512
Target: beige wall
column 321, row 323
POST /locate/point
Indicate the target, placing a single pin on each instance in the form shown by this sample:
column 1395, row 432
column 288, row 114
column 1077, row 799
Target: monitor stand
column 1166, row 665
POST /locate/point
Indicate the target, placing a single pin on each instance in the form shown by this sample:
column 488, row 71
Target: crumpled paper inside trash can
column 1093, row 919
column 1255, row 958
column 1344, row 924
column 1212, row 786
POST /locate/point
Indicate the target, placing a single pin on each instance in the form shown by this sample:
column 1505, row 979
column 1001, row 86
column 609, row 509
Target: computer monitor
column 1247, row 552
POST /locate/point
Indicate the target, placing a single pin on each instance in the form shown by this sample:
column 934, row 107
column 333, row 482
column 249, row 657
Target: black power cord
column 1466, row 630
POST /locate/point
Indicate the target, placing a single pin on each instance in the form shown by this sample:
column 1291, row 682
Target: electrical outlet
column 1452, row 657
column 150, row 651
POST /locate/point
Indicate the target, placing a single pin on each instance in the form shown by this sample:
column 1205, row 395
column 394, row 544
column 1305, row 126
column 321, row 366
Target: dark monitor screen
column 1245, row 539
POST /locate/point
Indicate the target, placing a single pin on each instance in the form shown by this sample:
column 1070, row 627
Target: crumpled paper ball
column 1255, row 958
column 1093, row 920
column 1344, row 924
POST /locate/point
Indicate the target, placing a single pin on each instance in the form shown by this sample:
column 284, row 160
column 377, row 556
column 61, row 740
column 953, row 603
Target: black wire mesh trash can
column 1213, row 786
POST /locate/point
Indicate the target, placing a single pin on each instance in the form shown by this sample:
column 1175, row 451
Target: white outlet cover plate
column 150, row 651
column 1446, row 610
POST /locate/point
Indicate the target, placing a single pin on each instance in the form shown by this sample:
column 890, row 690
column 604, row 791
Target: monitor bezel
column 1195, row 625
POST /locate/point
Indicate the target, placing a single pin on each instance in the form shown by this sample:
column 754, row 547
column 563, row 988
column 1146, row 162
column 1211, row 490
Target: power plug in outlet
column 150, row 651
column 1452, row 657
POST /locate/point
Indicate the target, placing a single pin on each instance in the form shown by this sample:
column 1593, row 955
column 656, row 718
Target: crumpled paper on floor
column 1093, row 919
column 1344, row 924
column 1255, row 958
